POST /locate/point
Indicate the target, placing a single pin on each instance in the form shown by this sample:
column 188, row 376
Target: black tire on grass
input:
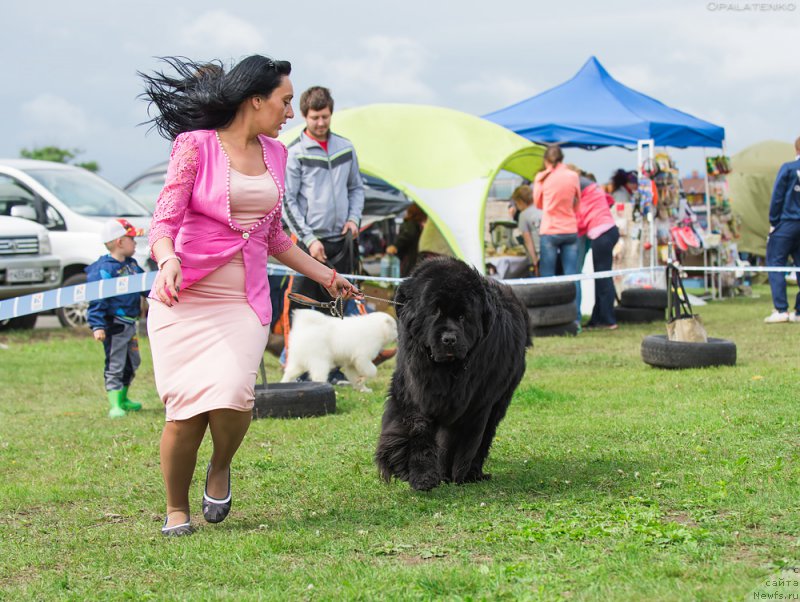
column 540, row 295
column 638, row 315
column 654, row 298
column 570, row 329
column 294, row 400
column 551, row 315
column 659, row 351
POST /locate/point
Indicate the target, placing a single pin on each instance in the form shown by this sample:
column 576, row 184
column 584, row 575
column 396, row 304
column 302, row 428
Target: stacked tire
column 551, row 308
column 641, row 306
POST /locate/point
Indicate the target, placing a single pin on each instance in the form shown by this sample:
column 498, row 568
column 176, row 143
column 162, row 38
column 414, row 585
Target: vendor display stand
column 719, row 223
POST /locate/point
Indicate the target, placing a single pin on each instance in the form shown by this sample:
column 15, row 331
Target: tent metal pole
column 650, row 220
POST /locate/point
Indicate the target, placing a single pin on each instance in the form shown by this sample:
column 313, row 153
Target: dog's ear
column 403, row 297
column 489, row 314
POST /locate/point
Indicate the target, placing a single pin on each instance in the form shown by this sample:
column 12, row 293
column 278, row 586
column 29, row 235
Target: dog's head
column 445, row 310
column 388, row 328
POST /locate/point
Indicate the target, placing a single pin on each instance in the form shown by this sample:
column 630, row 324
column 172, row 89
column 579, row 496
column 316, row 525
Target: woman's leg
column 602, row 251
column 582, row 249
column 228, row 428
column 180, row 441
column 547, row 256
column 569, row 261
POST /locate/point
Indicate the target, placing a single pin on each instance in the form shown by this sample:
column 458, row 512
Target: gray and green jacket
column 323, row 190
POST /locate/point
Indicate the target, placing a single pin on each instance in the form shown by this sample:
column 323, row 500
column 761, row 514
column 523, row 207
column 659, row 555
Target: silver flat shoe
column 176, row 530
column 214, row 510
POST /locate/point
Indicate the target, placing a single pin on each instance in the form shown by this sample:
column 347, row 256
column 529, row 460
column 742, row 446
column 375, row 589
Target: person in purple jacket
column 217, row 220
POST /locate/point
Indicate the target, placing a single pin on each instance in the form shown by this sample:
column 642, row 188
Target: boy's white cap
column 117, row 228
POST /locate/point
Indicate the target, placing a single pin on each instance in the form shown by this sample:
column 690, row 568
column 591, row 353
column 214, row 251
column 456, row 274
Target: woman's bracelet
column 164, row 260
column 333, row 279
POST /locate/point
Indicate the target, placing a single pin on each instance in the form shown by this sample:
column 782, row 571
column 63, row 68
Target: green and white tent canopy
column 752, row 177
column 444, row 160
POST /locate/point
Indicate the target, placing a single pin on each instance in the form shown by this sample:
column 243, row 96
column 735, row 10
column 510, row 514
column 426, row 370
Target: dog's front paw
column 425, row 481
column 474, row 476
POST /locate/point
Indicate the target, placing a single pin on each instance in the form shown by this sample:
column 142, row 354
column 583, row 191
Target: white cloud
column 491, row 92
column 387, row 68
column 49, row 117
column 219, row 34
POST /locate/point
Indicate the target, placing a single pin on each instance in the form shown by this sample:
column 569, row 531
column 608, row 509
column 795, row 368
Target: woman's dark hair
column 202, row 96
column 553, row 154
column 619, row 179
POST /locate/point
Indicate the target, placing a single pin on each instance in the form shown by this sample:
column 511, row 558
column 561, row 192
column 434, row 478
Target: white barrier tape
column 743, row 268
column 79, row 293
column 139, row 283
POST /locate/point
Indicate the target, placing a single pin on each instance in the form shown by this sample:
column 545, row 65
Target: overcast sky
column 69, row 76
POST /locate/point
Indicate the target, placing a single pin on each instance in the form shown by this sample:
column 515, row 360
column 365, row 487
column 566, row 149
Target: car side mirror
column 24, row 211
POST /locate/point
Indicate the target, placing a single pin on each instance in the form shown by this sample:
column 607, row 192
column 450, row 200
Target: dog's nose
column 449, row 339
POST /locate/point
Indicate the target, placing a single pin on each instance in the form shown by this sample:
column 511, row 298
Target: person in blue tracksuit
column 113, row 319
column 784, row 237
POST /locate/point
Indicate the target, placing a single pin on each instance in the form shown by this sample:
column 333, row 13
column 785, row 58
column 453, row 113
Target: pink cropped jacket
column 194, row 211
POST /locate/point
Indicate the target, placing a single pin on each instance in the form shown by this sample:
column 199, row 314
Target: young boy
column 113, row 320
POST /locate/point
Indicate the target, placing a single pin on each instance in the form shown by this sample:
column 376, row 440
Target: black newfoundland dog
column 461, row 354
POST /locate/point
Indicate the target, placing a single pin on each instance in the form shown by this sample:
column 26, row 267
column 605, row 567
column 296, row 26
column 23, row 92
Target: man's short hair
column 315, row 98
column 797, row 146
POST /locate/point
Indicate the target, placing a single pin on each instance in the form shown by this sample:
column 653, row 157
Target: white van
column 27, row 264
column 72, row 203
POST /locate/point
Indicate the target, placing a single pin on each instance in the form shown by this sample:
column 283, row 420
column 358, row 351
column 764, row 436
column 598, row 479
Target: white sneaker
column 793, row 317
column 777, row 317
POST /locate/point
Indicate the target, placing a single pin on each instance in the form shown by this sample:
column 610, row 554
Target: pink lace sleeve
column 177, row 191
column 278, row 241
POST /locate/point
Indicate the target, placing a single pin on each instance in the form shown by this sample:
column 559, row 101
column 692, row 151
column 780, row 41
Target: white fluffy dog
column 319, row 343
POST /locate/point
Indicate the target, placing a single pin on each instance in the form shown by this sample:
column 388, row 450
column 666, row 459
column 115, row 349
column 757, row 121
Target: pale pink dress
column 209, row 344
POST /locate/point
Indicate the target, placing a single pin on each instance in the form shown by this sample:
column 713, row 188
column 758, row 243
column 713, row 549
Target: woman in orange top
column 557, row 191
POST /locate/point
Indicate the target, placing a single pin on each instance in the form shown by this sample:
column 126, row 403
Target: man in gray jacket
column 324, row 194
column 324, row 190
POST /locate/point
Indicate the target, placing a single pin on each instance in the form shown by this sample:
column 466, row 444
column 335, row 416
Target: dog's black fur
column 460, row 356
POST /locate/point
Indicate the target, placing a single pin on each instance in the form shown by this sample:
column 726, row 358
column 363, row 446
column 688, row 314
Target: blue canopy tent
column 594, row 110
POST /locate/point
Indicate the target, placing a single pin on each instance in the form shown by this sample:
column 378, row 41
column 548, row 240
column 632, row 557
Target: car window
column 53, row 219
column 13, row 194
column 88, row 194
column 146, row 189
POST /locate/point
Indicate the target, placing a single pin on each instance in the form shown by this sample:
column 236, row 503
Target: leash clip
column 336, row 307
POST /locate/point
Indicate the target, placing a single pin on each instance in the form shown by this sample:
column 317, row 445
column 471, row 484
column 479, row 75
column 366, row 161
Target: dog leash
column 335, row 307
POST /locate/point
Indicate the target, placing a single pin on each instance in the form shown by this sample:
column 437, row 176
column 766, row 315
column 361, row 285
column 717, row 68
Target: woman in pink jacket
column 216, row 221
column 597, row 224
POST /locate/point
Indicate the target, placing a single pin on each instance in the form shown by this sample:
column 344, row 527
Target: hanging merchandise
column 723, row 225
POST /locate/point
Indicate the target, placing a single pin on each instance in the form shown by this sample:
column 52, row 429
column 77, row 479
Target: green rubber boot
column 127, row 404
column 115, row 404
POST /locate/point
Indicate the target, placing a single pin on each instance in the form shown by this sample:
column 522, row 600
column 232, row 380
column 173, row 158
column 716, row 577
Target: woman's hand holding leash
column 339, row 286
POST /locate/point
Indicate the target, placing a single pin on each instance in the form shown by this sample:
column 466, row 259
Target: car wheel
column 294, row 400
column 659, row 351
column 654, row 298
column 74, row 316
column 552, row 293
column 21, row 323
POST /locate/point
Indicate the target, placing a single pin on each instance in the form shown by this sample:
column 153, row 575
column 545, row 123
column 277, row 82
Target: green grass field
column 612, row 481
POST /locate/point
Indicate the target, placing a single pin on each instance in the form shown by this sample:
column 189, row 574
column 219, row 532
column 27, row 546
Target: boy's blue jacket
column 123, row 307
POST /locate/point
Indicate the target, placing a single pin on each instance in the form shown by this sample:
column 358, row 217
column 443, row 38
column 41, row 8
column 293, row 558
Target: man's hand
column 352, row 227
column 99, row 334
column 317, row 251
